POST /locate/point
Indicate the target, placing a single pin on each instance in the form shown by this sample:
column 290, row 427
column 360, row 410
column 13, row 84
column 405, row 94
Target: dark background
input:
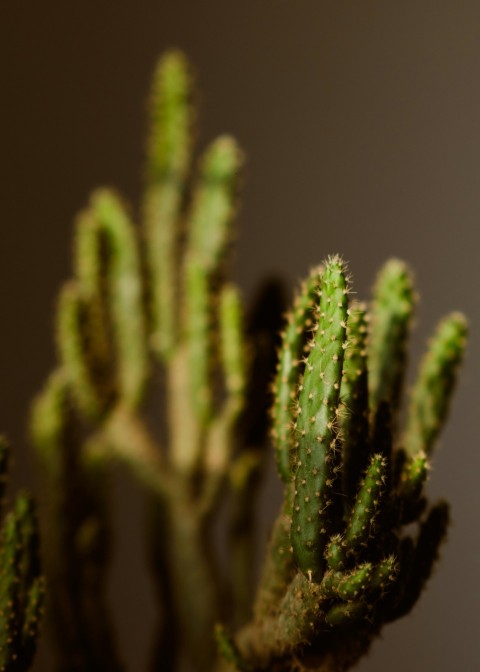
column 361, row 126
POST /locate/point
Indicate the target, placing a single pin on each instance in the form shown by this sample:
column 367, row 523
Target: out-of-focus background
column 361, row 126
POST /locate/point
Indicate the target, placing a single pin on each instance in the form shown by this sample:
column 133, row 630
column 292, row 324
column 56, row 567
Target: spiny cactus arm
column 385, row 574
column 21, row 594
column 361, row 525
column 125, row 296
column 232, row 351
column 349, row 585
column 335, row 552
column 190, row 380
column 210, row 220
column 73, row 350
column 168, row 158
column 435, row 383
column 290, row 365
column 30, row 586
column 214, row 203
column 344, row 614
column 364, row 582
column 391, row 317
column 9, row 556
column 317, row 424
column 354, row 395
column 90, row 266
column 88, row 263
column 28, row 540
column 33, row 616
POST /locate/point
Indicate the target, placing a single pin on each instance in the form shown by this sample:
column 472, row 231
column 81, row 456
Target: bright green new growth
column 151, row 309
column 22, row 588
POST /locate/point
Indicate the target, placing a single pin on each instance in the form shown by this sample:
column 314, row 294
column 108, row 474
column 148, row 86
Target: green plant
column 154, row 315
column 21, row 585
column 351, row 486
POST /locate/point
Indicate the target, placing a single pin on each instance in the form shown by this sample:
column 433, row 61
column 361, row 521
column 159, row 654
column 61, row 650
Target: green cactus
column 290, row 363
column 151, row 314
column 316, row 431
column 361, row 569
column 391, row 317
column 354, row 391
column 22, row 587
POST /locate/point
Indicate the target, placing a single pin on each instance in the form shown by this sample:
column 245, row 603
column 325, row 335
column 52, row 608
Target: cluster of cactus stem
column 341, row 563
column 151, row 314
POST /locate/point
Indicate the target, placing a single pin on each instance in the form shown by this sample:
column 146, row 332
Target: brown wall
column 361, row 125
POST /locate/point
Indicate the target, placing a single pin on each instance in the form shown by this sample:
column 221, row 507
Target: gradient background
column 361, row 126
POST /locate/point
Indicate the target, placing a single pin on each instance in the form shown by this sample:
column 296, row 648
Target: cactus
column 22, row 587
column 354, row 567
column 150, row 312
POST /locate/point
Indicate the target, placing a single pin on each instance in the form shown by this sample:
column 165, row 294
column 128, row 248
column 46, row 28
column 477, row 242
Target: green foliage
column 150, row 313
